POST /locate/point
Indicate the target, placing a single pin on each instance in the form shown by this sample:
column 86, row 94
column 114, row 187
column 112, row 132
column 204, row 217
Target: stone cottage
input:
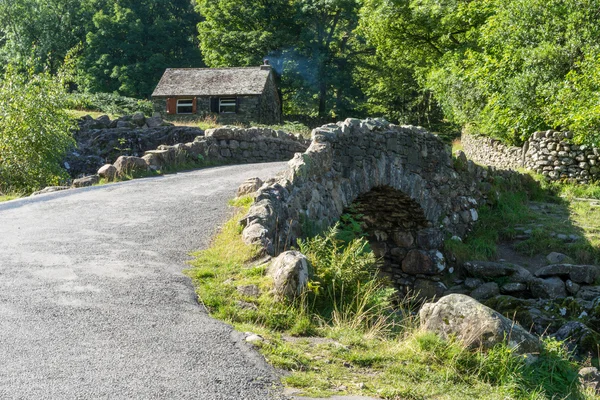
column 230, row 94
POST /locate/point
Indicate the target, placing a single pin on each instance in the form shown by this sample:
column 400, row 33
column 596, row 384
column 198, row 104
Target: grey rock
column 419, row 262
column 50, row 189
column 511, row 288
column 403, row 239
column 588, row 293
column 249, row 290
column 572, row 287
column 558, row 258
column 489, row 269
column 138, row 119
column 486, row 291
column 254, row 338
column 126, row 165
column 108, row 172
column 590, row 378
column 586, row 274
column 250, row 186
column 154, row 122
column 472, row 283
column 549, row 288
column 426, row 289
column 475, row 324
column 290, row 272
column 86, row 181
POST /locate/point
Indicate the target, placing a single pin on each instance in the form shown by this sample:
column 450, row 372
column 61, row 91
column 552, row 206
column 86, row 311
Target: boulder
column 108, row 172
column 154, row 122
column 50, row 189
column 558, row 258
column 587, row 274
column 578, row 337
column 290, row 272
column 474, row 324
column 426, row 289
column 138, row 119
column 486, row 291
column 549, row 288
column 126, row 165
column 488, row 269
column 589, row 293
column 250, row 186
column 86, row 181
column 590, row 378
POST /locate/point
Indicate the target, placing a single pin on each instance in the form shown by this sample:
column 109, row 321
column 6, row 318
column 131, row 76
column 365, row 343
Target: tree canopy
column 501, row 68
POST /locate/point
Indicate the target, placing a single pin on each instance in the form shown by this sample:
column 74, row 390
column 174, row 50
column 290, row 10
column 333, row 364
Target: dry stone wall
column 403, row 181
column 549, row 153
column 229, row 145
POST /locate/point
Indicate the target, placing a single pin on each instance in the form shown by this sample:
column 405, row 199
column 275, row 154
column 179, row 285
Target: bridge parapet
column 402, row 179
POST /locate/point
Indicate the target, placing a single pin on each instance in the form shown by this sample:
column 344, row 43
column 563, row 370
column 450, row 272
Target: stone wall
column 230, row 145
column 488, row 151
column 103, row 140
column 549, row 153
column 403, row 181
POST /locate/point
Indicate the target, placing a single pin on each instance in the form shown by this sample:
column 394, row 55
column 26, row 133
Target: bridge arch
column 399, row 174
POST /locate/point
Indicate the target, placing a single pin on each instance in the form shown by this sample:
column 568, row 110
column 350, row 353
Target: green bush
column 345, row 286
column 109, row 103
column 35, row 131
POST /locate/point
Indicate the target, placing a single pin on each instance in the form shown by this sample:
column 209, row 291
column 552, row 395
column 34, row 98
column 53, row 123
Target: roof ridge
column 214, row 69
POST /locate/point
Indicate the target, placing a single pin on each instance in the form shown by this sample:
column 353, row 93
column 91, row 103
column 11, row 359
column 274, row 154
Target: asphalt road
column 93, row 302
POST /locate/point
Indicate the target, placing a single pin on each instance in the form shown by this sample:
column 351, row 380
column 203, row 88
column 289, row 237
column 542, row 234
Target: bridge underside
column 407, row 244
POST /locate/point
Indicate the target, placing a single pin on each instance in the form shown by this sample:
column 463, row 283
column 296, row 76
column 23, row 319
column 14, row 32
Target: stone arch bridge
column 401, row 179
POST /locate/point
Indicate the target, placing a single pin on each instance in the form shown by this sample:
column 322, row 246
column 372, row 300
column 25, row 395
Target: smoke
column 295, row 68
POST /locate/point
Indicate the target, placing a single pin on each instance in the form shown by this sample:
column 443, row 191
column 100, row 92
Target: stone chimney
column 266, row 66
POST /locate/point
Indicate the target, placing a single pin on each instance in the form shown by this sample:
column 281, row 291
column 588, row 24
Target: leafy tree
column 410, row 38
column 42, row 30
column 534, row 67
column 35, row 131
column 311, row 43
column 132, row 42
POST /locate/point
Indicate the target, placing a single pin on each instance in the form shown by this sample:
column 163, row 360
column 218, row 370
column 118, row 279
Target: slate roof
column 212, row 81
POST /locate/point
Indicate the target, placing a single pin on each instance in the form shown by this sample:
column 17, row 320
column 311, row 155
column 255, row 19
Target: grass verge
column 537, row 216
column 8, row 197
column 344, row 335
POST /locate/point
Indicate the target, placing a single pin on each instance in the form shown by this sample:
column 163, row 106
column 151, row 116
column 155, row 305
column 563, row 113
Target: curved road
column 93, row 303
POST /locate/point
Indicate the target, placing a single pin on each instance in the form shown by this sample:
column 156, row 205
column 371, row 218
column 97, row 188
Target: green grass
column 358, row 345
column 547, row 209
column 8, row 197
column 82, row 113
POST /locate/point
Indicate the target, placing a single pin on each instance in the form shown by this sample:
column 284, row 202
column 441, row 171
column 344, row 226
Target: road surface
column 93, row 302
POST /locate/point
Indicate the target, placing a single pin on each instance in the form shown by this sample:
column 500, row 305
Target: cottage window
column 185, row 106
column 227, row 105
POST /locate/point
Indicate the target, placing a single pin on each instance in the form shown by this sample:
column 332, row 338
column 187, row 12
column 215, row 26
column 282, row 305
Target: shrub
column 345, row 289
column 109, row 103
column 35, row 131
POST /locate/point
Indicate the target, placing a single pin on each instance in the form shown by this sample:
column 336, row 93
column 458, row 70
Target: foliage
column 533, row 67
column 310, row 43
column 42, row 30
column 108, row 103
column 131, row 43
column 35, row 131
column 343, row 273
